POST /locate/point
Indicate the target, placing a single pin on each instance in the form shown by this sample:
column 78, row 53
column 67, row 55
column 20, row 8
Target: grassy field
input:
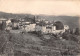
column 29, row 44
column 32, row 45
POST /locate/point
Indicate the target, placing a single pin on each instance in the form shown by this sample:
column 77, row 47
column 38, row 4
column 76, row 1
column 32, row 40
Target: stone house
column 8, row 24
column 50, row 29
column 8, row 21
column 40, row 28
column 27, row 26
column 66, row 27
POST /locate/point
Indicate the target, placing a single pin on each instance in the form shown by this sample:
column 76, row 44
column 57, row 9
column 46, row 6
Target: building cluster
column 44, row 26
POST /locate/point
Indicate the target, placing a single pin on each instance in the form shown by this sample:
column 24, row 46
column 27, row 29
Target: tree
column 14, row 20
column 77, row 31
column 30, row 18
column 33, row 20
column 0, row 26
column 39, row 33
column 59, row 25
column 3, row 25
column 42, row 23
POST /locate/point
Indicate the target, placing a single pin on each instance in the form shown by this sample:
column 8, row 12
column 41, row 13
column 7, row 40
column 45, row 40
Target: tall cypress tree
column 3, row 25
column 77, row 31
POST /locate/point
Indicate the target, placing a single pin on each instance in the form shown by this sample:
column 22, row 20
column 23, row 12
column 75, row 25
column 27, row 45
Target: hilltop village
column 30, row 25
column 37, row 37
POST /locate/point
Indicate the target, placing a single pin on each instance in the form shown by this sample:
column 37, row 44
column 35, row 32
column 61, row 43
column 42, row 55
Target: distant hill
column 10, row 15
column 72, row 21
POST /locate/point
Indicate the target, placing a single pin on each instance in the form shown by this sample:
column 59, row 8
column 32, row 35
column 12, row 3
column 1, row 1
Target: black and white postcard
column 39, row 27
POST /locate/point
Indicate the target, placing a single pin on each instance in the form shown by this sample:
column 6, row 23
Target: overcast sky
column 49, row 7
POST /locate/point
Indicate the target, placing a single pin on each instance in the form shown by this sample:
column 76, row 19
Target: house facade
column 40, row 28
column 32, row 26
column 28, row 27
column 8, row 21
column 50, row 29
column 66, row 27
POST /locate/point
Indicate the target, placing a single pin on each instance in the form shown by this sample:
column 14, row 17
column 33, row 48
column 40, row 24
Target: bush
column 5, row 45
column 69, row 36
column 17, row 39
